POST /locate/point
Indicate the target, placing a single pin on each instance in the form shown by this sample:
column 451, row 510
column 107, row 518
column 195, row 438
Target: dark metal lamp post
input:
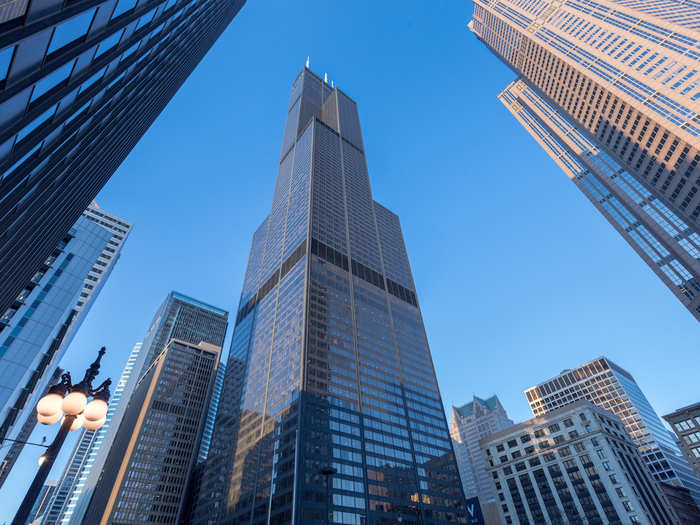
column 70, row 401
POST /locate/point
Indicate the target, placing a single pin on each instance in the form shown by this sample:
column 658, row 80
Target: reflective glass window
column 52, row 79
column 122, row 7
column 71, row 30
column 109, row 43
column 5, row 59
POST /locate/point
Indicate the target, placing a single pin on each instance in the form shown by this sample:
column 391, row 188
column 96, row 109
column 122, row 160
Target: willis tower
column 340, row 418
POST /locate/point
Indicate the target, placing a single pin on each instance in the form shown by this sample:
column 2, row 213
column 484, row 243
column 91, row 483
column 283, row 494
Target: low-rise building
column 575, row 464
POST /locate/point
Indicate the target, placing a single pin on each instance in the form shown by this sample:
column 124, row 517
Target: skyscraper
column 38, row 327
column 574, row 464
column 610, row 89
column 686, row 424
column 611, row 387
column 471, row 422
column 80, row 83
column 146, row 474
column 178, row 317
column 341, row 418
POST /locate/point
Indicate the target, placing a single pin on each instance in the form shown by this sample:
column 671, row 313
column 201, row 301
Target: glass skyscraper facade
column 340, row 417
column 80, row 82
column 178, row 317
column 37, row 328
column 146, row 475
column 611, row 387
column 610, row 91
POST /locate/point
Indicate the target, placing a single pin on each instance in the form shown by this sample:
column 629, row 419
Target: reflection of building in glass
column 38, row 327
column 610, row 91
column 178, row 317
column 80, row 83
column 147, row 470
column 686, row 424
column 575, row 464
column 338, row 370
column 471, row 422
column 610, row 387
column 42, row 502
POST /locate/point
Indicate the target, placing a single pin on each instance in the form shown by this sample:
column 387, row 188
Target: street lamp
column 70, row 401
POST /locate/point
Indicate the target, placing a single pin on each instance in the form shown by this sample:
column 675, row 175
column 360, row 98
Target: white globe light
column 49, row 405
column 95, row 410
column 74, row 403
column 42, row 459
column 77, row 422
column 48, row 420
column 94, row 424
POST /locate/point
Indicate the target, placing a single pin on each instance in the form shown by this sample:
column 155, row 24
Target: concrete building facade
column 574, row 464
column 470, row 423
column 609, row 386
column 610, row 90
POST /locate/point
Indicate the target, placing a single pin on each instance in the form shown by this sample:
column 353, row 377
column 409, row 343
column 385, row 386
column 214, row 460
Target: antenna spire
column 307, row 62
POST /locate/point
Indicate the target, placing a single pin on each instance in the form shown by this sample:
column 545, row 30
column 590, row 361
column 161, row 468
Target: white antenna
column 307, row 61
column 325, row 78
column 332, row 85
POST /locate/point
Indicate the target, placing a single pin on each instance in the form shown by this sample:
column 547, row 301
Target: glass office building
column 80, row 83
column 178, row 317
column 610, row 90
column 146, row 474
column 341, row 418
column 611, row 387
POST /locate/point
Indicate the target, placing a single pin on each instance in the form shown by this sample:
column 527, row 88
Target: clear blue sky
column 518, row 275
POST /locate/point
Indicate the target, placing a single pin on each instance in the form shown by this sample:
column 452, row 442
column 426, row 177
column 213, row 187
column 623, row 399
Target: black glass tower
column 80, row 83
column 340, row 417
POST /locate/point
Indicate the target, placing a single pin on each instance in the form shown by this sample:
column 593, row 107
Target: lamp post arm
column 33, row 493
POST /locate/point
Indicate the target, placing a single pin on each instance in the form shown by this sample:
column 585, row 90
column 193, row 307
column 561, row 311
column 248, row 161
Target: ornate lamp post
column 70, row 401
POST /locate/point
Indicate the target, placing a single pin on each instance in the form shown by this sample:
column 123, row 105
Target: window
column 71, row 30
column 516, row 454
column 5, row 59
column 606, row 465
column 627, row 506
column 620, row 492
column 613, row 478
column 122, row 7
column 539, row 433
column 52, row 79
column 525, row 438
column 579, row 447
column 568, row 422
column 558, row 440
column 553, row 428
column 512, row 443
column 500, row 448
column 573, row 434
column 109, row 43
column 507, row 470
